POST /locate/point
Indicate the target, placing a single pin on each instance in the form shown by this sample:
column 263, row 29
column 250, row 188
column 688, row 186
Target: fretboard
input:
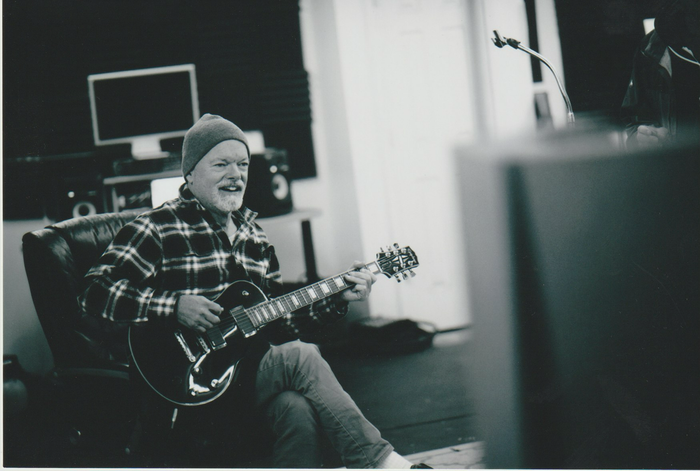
column 268, row 311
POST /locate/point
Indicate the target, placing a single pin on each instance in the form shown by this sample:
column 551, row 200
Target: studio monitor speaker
column 269, row 191
column 79, row 197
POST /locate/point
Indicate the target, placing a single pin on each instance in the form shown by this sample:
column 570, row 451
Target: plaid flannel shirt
column 179, row 249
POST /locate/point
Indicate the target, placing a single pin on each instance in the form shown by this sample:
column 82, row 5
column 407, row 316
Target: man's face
column 218, row 181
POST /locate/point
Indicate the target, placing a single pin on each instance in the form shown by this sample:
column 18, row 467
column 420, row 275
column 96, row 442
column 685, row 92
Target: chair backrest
column 56, row 259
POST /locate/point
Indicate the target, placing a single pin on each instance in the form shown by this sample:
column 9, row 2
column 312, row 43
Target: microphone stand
column 515, row 44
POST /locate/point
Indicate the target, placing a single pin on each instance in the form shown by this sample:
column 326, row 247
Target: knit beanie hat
column 204, row 135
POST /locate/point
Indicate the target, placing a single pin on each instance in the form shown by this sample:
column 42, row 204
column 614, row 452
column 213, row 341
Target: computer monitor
column 584, row 281
column 142, row 107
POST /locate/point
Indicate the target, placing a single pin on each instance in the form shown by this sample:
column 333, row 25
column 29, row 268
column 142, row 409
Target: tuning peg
column 412, row 273
column 405, row 275
column 398, row 278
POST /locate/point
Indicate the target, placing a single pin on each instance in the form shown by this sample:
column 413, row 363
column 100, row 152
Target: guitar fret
column 295, row 300
column 259, row 316
column 284, row 302
column 288, row 302
column 253, row 317
column 333, row 286
column 266, row 312
column 307, row 297
column 339, row 282
column 281, row 308
column 324, row 287
column 311, row 292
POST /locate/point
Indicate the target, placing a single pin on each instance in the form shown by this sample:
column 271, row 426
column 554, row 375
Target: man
column 662, row 99
column 170, row 264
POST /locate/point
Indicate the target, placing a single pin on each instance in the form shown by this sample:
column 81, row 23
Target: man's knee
column 300, row 352
column 293, row 410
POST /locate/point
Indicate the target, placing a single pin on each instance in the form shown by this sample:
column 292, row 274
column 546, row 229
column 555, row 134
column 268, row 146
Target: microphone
column 497, row 40
column 515, row 44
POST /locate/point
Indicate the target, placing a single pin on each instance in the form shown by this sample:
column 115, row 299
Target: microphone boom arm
column 515, row 44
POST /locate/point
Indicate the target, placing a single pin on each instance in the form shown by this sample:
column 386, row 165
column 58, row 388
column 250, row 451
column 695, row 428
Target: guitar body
column 188, row 368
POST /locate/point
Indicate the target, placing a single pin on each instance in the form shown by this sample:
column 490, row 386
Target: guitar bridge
column 185, row 348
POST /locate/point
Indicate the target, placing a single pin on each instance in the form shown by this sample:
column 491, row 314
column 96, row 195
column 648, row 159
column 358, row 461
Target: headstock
column 397, row 262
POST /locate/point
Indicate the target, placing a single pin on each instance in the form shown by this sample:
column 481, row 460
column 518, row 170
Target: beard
column 218, row 200
column 228, row 203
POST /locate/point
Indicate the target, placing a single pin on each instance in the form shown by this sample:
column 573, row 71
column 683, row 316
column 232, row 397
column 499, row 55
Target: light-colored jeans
column 304, row 399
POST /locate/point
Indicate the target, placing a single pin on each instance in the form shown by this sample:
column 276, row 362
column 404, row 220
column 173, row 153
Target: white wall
column 394, row 83
column 507, row 84
column 550, row 48
column 22, row 333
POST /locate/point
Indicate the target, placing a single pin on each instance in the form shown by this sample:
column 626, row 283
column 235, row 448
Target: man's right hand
column 197, row 312
column 648, row 136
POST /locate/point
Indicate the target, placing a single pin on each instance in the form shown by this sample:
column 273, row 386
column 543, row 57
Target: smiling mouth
column 232, row 188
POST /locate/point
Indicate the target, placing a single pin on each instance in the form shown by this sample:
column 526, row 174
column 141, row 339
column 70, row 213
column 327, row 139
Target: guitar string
column 305, row 300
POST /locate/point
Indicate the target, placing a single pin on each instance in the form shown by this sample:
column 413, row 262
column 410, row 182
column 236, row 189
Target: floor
column 419, row 401
column 467, row 456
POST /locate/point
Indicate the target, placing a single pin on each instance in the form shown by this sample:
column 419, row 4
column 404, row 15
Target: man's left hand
column 362, row 279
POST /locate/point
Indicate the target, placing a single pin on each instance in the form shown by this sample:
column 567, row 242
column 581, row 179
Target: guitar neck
column 269, row 311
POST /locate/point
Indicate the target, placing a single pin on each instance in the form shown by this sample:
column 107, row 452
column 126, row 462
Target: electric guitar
column 190, row 369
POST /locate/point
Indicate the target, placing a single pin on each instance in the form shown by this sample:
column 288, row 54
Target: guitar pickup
column 216, row 340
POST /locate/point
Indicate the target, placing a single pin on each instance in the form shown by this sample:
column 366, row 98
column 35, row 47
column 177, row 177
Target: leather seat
column 90, row 386
column 56, row 259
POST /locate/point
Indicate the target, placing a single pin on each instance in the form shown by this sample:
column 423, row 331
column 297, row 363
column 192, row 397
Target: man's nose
column 233, row 172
